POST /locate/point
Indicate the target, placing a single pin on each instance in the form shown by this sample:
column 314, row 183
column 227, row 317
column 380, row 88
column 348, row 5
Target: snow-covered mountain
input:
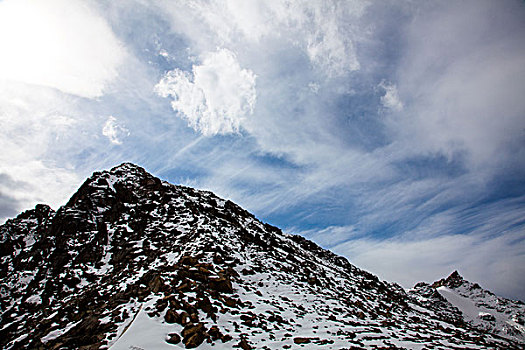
column 132, row 262
column 478, row 307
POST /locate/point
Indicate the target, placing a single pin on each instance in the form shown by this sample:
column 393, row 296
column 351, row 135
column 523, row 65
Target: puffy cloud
column 216, row 97
column 113, row 131
column 63, row 44
column 391, row 98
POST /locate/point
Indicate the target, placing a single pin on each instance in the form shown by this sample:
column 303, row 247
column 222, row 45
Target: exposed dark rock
column 194, row 335
column 171, row 316
column 221, row 284
column 244, row 345
column 302, row 340
column 173, row 338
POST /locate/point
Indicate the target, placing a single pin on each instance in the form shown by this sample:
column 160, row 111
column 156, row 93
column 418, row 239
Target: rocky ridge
column 133, row 262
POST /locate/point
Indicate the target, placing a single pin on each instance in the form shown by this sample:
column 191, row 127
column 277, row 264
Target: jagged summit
column 455, row 276
column 128, row 166
column 135, row 262
column 453, row 280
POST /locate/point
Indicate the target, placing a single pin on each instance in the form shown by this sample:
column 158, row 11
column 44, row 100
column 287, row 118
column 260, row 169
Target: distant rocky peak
column 461, row 301
column 455, row 276
column 454, row 280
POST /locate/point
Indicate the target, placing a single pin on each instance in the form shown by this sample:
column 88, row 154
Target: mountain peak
column 454, row 280
column 454, row 277
column 127, row 166
column 121, row 182
column 125, row 171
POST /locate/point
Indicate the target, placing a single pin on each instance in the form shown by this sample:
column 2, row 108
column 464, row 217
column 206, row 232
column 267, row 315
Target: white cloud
column 330, row 45
column 216, row 97
column 462, row 70
column 113, row 131
column 391, row 98
column 314, row 87
column 63, row 44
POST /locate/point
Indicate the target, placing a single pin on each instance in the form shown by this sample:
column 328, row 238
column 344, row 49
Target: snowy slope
column 132, row 262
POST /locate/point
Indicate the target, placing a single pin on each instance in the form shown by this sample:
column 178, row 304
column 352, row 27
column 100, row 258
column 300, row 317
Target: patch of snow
column 83, row 282
column 20, row 338
column 105, row 320
column 34, row 299
column 146, row 333
column 58, row 332
column 465, row 305
column 111, row 181
column 29, row 240
column 52, row 315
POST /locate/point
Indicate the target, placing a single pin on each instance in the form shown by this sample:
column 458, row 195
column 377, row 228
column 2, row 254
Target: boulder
column 243, row 344
column 171, row 316
column 221, row 284
column 301, row 340
column 194, row 335
column 173, row 338
column 215, row 333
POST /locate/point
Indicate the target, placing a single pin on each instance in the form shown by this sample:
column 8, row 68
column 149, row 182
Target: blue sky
column 391, row 132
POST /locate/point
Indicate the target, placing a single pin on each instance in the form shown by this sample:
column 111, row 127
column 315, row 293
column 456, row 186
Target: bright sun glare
column 46, row 43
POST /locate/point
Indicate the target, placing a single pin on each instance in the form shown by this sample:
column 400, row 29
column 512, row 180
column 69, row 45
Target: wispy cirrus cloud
column 36, row 129
column 469, row 239
column 464, row 81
